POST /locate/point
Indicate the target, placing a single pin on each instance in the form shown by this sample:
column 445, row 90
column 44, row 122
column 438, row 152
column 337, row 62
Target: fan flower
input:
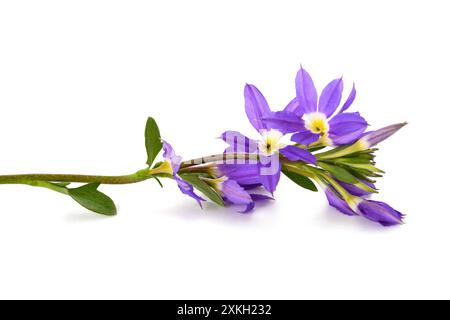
column 319, row 123
column 271, row 143
column 370, row 209
column 170, row 166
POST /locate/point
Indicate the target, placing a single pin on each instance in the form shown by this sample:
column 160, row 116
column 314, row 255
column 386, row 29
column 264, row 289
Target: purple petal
column 234, row 193
column 270, row 169
column 169, row 155
column 284, row 121
column 354, row 190
column 255, row 197
column 349, row 100
column 239, row 143
column 346, row 139
column 248, row 208
column 380, row 212
column 346, row 128
column 244, row 174
column 305, row 137
column 331, row 97
column 375, row 137
column 345, row 123
column 296, row 154
column 294, row 107
column 255, row 106
column 251, row 186
column 188, row 189
column 260, row 197
column 306, row 92
column 338, row 203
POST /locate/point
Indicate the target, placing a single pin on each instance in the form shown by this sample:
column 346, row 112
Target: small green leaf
column 203, row 187
column 351, row 161
column 152, row 140
column 302, row 181
column 360, row 175
column 339, row 172
column 89, row 197
column 159, row 182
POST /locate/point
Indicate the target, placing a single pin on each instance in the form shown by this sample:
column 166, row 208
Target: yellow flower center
column 317, row 122
column 271, row 142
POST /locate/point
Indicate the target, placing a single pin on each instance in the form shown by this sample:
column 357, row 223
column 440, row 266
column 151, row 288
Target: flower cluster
column 311, row 141
column 314, row 141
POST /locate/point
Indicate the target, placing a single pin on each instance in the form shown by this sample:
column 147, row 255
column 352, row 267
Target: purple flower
column 318, row 124
column 175, row 161
column 373, row 210
column 257, row 109
column 372, row 138
column 380, row 212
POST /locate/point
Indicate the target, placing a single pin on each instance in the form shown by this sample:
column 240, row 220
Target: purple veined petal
column 354, row 190
column 346, row 128
column 168, row 150
column 331, row 97
column 338, row 203
column 239, row 143
column 270, row 168
column 375, row 137
column 256, row 106
column 188, row 189
column 298, row 154
column 305, row 137
column 345, row 123
column 306, row 92
column 350, row 99
column 244, row 174
column 234, row 193
column 294, row 106
column 169, row 155
column 380, row 212
column 284, row 121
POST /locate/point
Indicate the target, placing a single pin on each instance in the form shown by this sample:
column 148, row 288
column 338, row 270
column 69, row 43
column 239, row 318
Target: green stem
column 30, row 179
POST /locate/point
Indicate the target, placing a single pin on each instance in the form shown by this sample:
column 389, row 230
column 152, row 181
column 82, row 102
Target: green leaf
column 89, row 197
column 339, row 172
column 302, row 181
column 159, row 182
column 203, row 187
column 360, row 175
column 152, row 140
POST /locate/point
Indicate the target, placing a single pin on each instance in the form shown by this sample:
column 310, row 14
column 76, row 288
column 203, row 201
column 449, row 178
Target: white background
column 79, row 78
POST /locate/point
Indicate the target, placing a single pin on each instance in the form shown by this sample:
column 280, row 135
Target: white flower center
column 271, row 142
